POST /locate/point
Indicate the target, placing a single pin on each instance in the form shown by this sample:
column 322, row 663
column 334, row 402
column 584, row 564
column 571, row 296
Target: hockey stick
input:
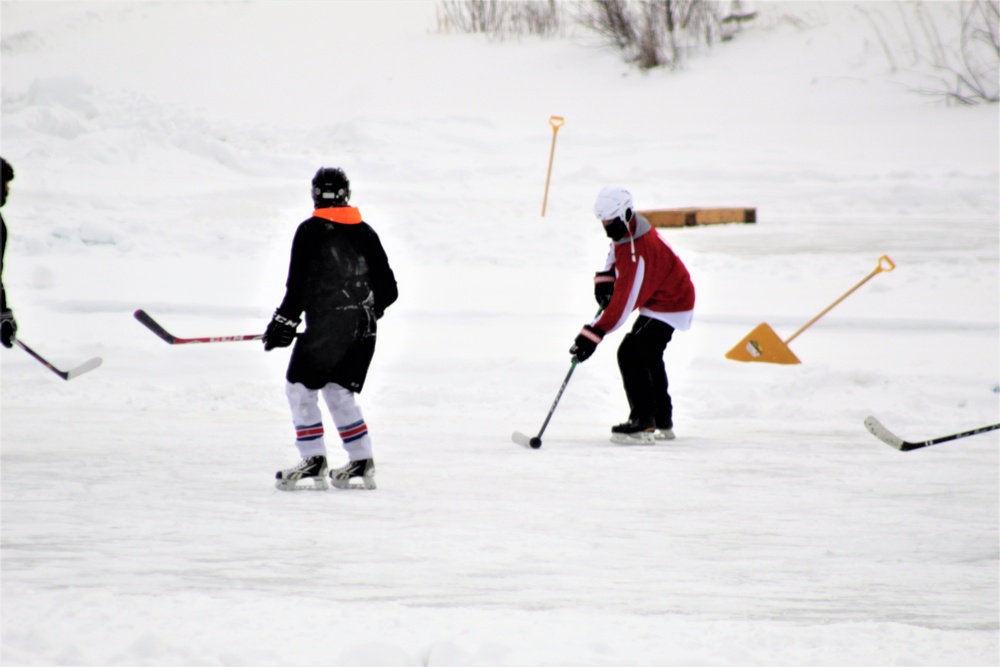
column 88, row 365
column 885, row 435
column 536, row 442
column 156, row 328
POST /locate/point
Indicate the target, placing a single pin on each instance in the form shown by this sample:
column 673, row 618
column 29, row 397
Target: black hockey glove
column 604, row 287
column 586, row 342
column 280, row 331
column 8, row 328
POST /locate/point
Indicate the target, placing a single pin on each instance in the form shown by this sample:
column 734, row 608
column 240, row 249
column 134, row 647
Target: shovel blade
column 763, row 344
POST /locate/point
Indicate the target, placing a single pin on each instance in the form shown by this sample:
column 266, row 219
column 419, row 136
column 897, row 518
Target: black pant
column 640, row 358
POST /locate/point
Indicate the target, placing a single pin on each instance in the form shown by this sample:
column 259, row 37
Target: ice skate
column 312, row 470
column 362, row 471
column 634, row 432
column 664, row 431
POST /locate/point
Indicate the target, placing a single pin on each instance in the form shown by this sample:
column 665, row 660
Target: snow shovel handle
column 556, row 122
column 884, row 265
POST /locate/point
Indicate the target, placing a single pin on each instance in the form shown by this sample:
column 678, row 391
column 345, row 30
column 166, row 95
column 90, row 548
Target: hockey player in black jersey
column 8, row 325
column 339, row 277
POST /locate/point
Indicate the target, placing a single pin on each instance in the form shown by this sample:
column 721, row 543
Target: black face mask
column 616, row 229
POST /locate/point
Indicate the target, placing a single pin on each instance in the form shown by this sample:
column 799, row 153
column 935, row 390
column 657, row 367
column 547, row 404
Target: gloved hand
column 604, row 287
column 280, row 331
column 8, row 328
column 586, row 342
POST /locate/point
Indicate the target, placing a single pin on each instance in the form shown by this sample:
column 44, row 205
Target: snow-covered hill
column 163, row 155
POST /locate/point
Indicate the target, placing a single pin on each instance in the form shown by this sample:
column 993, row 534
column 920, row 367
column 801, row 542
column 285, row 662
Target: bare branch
column 957, row 47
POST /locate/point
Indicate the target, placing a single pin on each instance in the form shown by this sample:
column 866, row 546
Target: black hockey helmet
column 330, row 187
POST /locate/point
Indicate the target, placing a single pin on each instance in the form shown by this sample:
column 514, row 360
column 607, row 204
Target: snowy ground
column 163, row 154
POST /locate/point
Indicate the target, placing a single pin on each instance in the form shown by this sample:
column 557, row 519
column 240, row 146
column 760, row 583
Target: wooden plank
column 670, row 217
column 715, row 216
column 689, row 217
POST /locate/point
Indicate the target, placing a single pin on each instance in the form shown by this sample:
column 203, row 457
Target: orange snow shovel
column 763, row 344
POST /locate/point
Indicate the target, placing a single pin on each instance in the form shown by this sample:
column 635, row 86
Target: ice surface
column 163, row 154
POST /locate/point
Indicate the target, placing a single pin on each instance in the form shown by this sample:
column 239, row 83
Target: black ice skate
column 362, row 471
column 312, row 469
column 634, row 432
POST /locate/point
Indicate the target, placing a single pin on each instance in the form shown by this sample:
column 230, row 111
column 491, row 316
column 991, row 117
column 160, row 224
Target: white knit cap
column 612, row 202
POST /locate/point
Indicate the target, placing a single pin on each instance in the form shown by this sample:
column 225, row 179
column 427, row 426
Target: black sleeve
column 382, row 277
column 3, row 251
column 295, row 286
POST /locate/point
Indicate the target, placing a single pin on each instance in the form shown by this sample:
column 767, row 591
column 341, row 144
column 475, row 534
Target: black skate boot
column 634, row 432
column 363, row 470
column 311, row 469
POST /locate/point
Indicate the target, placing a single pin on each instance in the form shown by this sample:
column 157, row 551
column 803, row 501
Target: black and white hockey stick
column 156, row 328
column 88, row 365
column 885, row 435
column 536, row 442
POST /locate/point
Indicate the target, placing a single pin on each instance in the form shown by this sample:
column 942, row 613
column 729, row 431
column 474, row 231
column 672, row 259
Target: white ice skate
column 312, row 470
column 355, row 475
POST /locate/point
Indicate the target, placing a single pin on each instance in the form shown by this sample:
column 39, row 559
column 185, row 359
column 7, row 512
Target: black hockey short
column 319, row 360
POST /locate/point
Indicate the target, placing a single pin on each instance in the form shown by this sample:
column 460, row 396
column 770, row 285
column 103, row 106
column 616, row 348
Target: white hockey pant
column 308, row 420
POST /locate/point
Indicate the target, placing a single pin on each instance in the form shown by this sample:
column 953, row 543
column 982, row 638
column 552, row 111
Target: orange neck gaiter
column 345, row 215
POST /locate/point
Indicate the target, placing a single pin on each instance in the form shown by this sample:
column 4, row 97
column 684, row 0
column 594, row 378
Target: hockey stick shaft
column 572, row 367
column 158, row 329
column 908, row 446
column 548, row 417
column 885, row 435
column 88, row 365
column 536, row 442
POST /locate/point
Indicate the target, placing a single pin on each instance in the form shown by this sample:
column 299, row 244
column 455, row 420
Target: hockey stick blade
column 521, row 439
column 153, row 326
column 876, row 428
column 85, row 367
column 158, row 329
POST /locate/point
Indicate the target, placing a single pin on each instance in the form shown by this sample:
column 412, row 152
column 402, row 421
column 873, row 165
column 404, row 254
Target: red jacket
column 648, row 277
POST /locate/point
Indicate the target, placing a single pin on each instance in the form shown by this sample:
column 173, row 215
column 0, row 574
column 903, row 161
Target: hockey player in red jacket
column 642, row 273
